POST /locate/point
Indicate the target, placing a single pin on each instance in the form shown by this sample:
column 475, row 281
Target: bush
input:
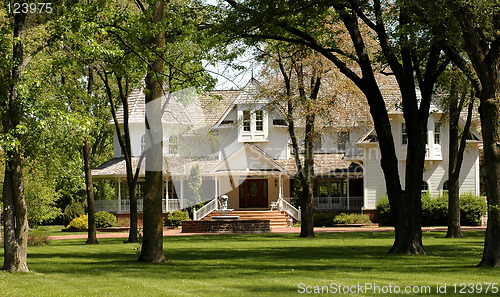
column 435, row 210
column 384, row 211
column 73, row 210
column 104, row 219
column 175, row 218
column 81, row 222
column 324, row 219
column 471, row 209
column 38, row 238
column 352, row 218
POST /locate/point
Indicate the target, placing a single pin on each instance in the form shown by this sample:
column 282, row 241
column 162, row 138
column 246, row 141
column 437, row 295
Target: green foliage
column 104, row 219
column 41, row 197
column 352, row 218
column 435, row 210
column 324, row 219
column 38, row 238
column 297, row 190
column 471, row 209
column 175, row 218
column 81, row 222
column 384, row 211
column 194, row 186
column 73, row 210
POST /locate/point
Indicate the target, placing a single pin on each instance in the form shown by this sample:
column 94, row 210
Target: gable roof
column 239, row 161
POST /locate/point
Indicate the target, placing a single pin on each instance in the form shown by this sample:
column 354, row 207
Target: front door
column 253, row 193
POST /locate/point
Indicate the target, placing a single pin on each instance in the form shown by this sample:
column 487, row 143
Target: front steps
column 277, row 218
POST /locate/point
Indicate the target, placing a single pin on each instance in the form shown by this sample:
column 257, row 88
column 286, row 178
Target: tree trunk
column 490, row 122
column 14, row 203
column 15, row 216
column 152, row 242
column 132, row 185
column 92, row 237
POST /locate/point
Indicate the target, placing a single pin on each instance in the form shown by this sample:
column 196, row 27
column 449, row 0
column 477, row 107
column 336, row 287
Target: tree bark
column 14, row 203
column 152, row 242
column 92, row 237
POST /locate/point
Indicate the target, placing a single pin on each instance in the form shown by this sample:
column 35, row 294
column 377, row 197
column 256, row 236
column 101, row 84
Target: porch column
column 215, row 188
column 166, row 195
column 348, row 198
column 182, row 193
column 119, row 195
column 280, row 187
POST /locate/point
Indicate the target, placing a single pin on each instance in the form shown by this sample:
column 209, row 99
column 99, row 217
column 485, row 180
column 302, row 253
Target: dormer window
column 253, row 125
column 143, row 143
column 246, row 120
column 259, row 120
column 437, row 133
column 343, row 139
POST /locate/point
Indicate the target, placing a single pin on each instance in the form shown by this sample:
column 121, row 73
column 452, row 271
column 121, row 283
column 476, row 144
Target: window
column 437, row 133
column 343, row 139
column 317, row 143
column 246, row 120
column 279, row 122
column 259, row 120
column 425, row 187
column 143, row 143
column 446, row 187
column 404, row 135
column 173, row 144
column 323, row 189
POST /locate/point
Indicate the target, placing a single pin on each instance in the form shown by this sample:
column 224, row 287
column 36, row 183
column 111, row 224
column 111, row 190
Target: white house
column 241, row 144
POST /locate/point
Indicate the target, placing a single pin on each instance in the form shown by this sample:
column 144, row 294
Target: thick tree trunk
column 15, row 216
column 14, row 203
column 152, row 242
column 92, row 237
column 490, row 122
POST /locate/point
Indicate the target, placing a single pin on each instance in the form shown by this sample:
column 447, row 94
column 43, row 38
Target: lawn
column 251, row 265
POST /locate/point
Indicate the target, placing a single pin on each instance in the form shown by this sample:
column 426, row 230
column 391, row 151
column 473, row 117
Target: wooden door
column 254, row 194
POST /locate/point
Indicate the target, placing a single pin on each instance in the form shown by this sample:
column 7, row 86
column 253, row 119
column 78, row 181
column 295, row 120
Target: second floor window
column 173, row 144
column 404, row 135
column 437, row 134
column 259, row 120
column 246, row 120
column 343, row 139
column 143, row 143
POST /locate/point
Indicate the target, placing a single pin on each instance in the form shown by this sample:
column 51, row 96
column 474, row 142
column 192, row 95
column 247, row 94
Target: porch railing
column 289, row 209
column 205, row 210
column 124, row 205
column 338, row 203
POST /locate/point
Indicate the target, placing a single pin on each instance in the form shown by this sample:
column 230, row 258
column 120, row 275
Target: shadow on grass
column 217, row 256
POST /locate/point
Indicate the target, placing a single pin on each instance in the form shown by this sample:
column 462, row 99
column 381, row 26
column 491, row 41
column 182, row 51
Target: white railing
column 124, row 205
column 338, row 203
column 205, row 210
column 289, row 209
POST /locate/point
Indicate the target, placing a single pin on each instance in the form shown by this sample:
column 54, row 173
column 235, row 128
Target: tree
column 471, row 28
column 194, row 185
column 411, row 56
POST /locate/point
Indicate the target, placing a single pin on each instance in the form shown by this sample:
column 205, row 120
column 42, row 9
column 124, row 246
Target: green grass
column 247, row 265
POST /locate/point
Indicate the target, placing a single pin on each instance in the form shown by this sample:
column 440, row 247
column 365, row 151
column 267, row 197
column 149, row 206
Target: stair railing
column 205, row 210
column 289, row 209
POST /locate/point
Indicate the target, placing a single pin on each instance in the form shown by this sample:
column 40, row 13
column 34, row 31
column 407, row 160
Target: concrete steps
column 277, row 218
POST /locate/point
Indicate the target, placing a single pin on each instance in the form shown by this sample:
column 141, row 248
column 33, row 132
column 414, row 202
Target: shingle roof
column 323, row 164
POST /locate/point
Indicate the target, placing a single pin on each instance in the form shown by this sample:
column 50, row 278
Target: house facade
column 240, row 143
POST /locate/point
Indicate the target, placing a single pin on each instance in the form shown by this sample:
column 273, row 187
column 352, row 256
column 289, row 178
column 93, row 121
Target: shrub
column 434, row 210
column 352, row 218
column 73, row 210
column 104, row 219
column 324, row 219
column 384, row 211
column 175, row 218
column 38, row 238
column 471, row 209
column 81, row 222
